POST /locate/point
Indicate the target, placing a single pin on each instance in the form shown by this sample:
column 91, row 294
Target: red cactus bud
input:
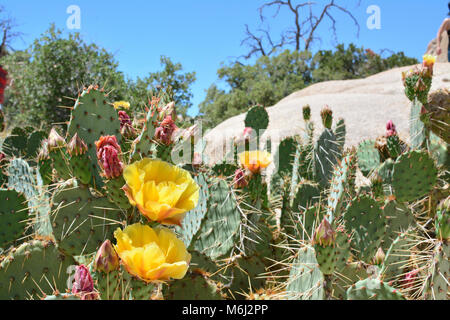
column 76, row 146
column 106, row 259
column 83, row 284
column 2, row 156
column 126, row 126
column 55, row 141
column 324, row 234
column 124, row 119
column 165, row 131
column 240, row 180
column 108, row 152
column 327, row 116
column 3, row 83
column 390, row 129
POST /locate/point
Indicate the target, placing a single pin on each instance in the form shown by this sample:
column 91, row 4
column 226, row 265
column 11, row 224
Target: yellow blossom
column 255, row 161
column 162, row 192
column 121, row 105
column 429, row 61
column 151, row 254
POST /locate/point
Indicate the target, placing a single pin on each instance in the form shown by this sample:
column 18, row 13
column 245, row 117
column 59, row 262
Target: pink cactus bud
column 55, row 141
column 106, row 259
column 108, row 152
column 83, row 284
column 390, row 129
column 76, row 146
column 240, row 180
column 126, row 126
column 410, row 278
column 2, row 156
column 324, row 234
column 124, row 119
column 165, row 131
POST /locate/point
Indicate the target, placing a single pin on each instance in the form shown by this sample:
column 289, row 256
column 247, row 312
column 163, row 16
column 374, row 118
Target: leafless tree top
column 7, row 32
column 307, row 16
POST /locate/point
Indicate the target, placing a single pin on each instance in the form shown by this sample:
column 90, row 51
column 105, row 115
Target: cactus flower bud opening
column 126, row 126
column 83, row 284
column 106, row 259
column 76, row 146
column 324, row 234
column 379, row 257
column 108, row 152
column 165, row 131
column 428, row 62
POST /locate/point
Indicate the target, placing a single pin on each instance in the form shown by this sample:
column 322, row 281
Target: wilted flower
column 108, row 152
column 83, row 284
column 122, row 105
column 55, row 141
column 165, row 131
column 126, row 126
column 152, row 254
column 324, row 234
column 327, row 116
column 306, row 112
column 162, row 192
column 255, row 161
column 240, row 180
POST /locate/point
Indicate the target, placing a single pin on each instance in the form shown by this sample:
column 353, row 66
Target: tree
column 307, row 17
column 7, row 31
column 172, row 79
column 47, row 77
column 273, row 78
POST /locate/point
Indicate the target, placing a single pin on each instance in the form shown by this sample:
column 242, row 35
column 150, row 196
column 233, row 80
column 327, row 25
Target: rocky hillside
column 365, row 104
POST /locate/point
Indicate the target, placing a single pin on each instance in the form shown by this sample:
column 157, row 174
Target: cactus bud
column 240, row 180
column 324, row 234
column 126, row 126
column 76, row 146
column 106, row 259
column 2, row 156
column 410, row 279
column 108, row 152
column 83, row 284
column 165, row 131
column 390, row 129
column 327, row 117
column 3, row 83
column 428, row 63
column 307, row 113
column 379, row 257
column 55, row 141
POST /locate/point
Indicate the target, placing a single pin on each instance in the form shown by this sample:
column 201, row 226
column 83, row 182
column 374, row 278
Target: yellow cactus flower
column 162, row 192
column 429, row 61
column 121, row 105
column 255, row 161
column 151, row 254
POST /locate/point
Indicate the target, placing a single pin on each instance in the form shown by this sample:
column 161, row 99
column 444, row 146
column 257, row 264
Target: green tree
column 272, row 78
column 170, row 78
column 266, row 82
column 49, row 74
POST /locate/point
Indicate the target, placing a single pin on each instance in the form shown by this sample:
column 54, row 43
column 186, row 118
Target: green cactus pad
column 93, row 117
column 306, row 195
column 340, row 132
column 399, row 219
column 13, row 216
column 397, row 257
column 327, row 152
column 32, row 267
column 143, row 146
column 439, row 280
column 62, row 296
column 417, row 131
column 115, row 194
column 15, row 145
column 305, row 279
column 247, row 275
column 442, row 220
column 220, row 227
column 193, row 219
column 34, row 142
column 81, row 168
column 193, row 286
column 373, row 289
column 345, row 277
column 414, row 175
column 258, row 119
column 343, row 244
column 366, row 220
column 368, row 156
column 81, row 222
column 326, row 258
column 385, row 171
column 339, row 187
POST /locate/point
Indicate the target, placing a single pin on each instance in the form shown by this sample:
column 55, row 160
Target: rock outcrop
column 365, row 104
column 432, row 48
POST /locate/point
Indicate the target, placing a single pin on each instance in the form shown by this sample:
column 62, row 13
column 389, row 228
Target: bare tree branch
column 7, row 26
column 304, row 29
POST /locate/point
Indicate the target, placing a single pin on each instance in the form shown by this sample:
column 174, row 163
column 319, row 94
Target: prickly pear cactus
column 373, row 289
column 13, row 216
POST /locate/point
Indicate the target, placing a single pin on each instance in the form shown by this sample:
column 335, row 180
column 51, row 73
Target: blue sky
column 203, row 34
